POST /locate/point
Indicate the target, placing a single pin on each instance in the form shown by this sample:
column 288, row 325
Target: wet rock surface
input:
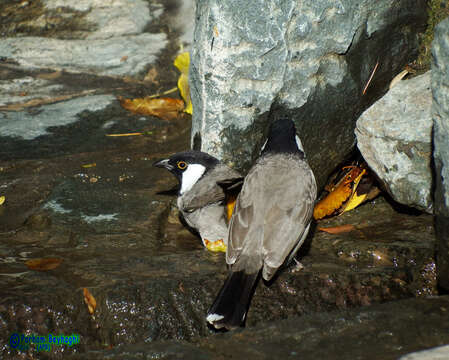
column 97, row 205
column 394, row 136
column 379, row 332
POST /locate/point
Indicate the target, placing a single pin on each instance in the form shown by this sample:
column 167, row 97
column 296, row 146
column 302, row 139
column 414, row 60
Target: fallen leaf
column 43, row 264
column 89, row 165
column 335, row 199
column 2, row 200
column 182, row 63
column 215, row 246
column 164, row 108
column 364, row 190
column 89, row 300
column 354, row 188
column 124, row 58
column 398, row 78
column 357, row 197
column 338, row 229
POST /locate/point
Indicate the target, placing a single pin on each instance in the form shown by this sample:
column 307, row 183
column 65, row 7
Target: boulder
column 440, row 112
column 394, row 136
column 308, row 60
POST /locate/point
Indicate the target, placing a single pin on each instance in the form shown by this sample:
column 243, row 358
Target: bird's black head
column 282, row 138
column 188, row 167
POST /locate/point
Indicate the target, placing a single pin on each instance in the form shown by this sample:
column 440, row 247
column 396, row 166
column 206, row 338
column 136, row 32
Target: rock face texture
column 308, row 60
column 394, row 136
column 440, row 89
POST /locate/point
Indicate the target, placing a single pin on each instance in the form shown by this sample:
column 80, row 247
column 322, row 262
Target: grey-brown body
column 272, row 214
column 271, row 219
column 203, row 205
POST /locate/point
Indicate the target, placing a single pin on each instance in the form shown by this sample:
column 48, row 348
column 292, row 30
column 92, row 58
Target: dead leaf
column 338, row 229
column 335, row 199
column 2, row 200
column 182, row 63
column 164, row 108
column 398, row 78
column 364, row 190
column 124, row 58
column 354, row 188
column 89, row 300
column 215, row 246
column 89, row 165
column 43, row 264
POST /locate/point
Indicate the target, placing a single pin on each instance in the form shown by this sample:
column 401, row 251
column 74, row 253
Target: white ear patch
column 190, row 176
column 299, row 143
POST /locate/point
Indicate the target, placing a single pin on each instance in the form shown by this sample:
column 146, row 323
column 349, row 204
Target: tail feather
column 230, row 306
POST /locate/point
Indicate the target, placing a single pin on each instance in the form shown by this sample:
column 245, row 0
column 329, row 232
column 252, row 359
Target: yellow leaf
column 43, row 264
column 355, row 199
column 86, row 166
column 89, row 300
column 215, row 246
column 182, row 63
column 2, row 200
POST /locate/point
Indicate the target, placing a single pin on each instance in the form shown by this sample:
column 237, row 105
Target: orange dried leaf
column 341, row 193
column 164, row 108
column 215, row 246
column 338, row 229
column 43, row 264
column 89, row 300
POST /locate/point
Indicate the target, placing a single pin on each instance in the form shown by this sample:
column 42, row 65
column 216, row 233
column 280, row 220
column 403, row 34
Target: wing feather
column 272, row 213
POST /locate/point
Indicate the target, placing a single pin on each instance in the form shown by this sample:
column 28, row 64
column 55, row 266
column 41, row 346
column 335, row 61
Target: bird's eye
column 182, row 165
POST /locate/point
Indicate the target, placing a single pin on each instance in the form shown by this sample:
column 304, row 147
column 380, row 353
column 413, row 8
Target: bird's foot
column 297, row 267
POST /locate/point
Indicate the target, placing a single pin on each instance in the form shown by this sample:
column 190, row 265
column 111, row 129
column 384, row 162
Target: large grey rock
column 394, row 136
column 440, row 110
column 307, row 59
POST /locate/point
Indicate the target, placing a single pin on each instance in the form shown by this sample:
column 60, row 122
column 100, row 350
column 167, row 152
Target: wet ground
column 96, row 205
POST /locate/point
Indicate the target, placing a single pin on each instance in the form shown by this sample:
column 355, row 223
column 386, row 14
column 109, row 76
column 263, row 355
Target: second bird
column 270, row 222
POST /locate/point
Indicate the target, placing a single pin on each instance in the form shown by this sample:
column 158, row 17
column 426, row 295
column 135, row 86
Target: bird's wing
column 272, row 212
column 206, row 191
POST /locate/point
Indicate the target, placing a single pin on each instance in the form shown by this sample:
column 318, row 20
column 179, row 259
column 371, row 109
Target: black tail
column 230, row 306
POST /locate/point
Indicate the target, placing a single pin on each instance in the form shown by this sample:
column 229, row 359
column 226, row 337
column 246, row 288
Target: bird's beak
column 163, row 164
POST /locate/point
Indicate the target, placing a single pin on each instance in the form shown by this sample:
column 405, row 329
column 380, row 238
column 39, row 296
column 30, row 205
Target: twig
column 370, row 78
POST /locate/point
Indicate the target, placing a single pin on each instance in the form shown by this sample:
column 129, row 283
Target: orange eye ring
column 181, row 165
